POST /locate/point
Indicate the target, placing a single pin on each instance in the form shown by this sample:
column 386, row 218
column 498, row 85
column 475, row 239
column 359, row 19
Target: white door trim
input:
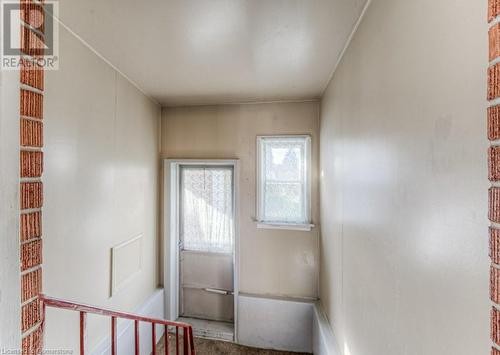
column 170, row 232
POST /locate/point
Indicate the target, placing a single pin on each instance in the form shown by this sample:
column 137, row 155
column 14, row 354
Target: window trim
column 261, row 224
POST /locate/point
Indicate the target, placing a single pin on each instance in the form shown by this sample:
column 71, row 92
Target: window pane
column 284, row 160
column 284, row 202
column 283, row 176
column 207, row 209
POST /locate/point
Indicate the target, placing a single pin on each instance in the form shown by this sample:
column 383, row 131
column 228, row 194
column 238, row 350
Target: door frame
column 171, row 237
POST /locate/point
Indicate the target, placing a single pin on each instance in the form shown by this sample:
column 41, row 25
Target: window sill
column 285, row 226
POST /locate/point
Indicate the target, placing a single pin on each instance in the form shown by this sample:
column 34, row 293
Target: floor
column 216, row 347
column 210, row 329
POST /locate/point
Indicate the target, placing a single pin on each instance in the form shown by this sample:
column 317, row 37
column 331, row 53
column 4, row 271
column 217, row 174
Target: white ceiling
column 183, row 52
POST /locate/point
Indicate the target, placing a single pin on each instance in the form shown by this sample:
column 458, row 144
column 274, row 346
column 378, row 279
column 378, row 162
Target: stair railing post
column 191, row 338
column 153, row 338
column 83, row 327
column 176, row 340
column 136, row 331
column 166, row 340
column 113, row 336
column 185, row 340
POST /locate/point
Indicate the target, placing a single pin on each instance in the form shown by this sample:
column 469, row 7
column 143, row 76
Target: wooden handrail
column 188, row 341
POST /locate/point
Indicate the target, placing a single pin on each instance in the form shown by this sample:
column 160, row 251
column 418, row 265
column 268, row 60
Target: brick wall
column 31, row 169
column 493, row 121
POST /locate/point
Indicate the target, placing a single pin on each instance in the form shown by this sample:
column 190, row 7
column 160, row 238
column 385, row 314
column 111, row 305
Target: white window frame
column 261, row 224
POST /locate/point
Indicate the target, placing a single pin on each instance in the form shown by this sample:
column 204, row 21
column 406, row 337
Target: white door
column 206, row 242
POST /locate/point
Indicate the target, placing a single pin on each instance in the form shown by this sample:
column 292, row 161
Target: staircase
column 187, row 331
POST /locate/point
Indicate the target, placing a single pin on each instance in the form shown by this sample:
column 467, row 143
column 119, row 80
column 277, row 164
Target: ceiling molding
column 257, row 102
column 347, row 44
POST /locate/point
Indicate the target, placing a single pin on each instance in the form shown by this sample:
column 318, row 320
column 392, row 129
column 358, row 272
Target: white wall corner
column 152, row 308
column 323, row 338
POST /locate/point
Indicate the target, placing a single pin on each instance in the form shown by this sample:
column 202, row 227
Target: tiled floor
column 213, row 347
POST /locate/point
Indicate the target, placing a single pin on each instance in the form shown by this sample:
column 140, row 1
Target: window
column 283, row 182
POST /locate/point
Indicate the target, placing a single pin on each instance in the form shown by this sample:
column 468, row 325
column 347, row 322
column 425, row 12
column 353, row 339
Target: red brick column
column 494, row 168
column 31, row 168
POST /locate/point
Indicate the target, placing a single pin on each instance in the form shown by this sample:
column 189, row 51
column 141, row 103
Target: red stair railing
column 188, row 341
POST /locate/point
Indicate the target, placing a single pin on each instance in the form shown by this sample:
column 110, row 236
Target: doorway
column 201, row 245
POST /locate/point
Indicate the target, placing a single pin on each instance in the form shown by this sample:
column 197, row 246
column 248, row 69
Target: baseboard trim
column 275, row 323
column 153, row 308
column 322, row 338
column 324, row 341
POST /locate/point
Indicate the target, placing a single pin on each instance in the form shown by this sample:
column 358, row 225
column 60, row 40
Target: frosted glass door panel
column 207, row 209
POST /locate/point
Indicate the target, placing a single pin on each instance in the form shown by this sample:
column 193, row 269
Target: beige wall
column 272, row 262
column 10, row 327
column 101, row 188
column 404, row 267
